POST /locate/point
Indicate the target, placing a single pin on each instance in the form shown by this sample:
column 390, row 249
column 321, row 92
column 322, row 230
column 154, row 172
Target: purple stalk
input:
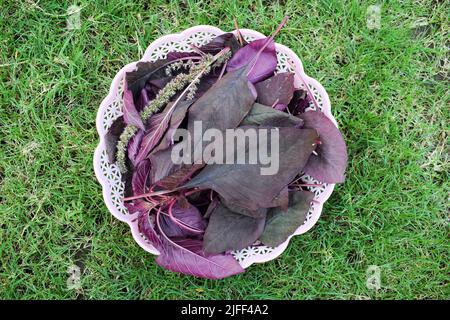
column 272, row 36
column 181, row 223
column 177, row 245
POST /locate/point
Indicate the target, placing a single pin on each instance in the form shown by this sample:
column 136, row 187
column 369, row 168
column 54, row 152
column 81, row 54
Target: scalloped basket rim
column 129, row 219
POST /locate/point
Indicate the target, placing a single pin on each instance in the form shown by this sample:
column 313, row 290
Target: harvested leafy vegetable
column 197, row 212
column 280, row 224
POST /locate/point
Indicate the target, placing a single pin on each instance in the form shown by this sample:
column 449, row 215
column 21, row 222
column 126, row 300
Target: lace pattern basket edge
column 252, row 254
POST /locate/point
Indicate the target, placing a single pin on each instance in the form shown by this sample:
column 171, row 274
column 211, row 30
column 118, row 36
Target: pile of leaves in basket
column 195, row 214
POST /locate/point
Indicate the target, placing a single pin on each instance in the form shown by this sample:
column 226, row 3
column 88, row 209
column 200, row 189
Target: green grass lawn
column 389, row 93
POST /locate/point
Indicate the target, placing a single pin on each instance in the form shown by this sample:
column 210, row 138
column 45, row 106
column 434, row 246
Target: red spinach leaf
column 277, row 89
column 228, row 231
column 331, row 160
column 282, row 224
column 223, row 106
column 112, row 137
column 140, row 180
column 244, row 186
column 146, row 227
column 185, row 221
column 134, row 145
column 264, row 66
column 156, row 126
column 261, row 115
column 299, row 102
column 186, row 256
column 130, row 114
column 144, row 72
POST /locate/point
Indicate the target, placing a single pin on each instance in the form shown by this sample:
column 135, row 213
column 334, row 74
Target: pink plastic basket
column 111, row 108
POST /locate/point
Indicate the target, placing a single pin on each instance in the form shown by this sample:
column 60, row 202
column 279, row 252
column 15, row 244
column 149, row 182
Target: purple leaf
column 223, row 106
column 156, row 126
column 331, row 160
column 244, row 186
column 261, row 115
column 175, row 55
column 130, row 114
column 278, row 89
column 187, row 219
column 281, row 224
column 280, row 107
column 265, row 64
column 211, row 207
column 143, row 100
column 220, row 42
column 145, row 71
column 138, row 206
column 179, row 114
column 228, row 231
column 140, row 179
column 168, row 175
column 162, row 165
column 112, row 137
column 206, row 82
column 146, row 227
column 300, row 101
column 258, row 213
column 127, row 178
column 179, row 176
column 282, row 200
column 186, row 256
column 134, row 145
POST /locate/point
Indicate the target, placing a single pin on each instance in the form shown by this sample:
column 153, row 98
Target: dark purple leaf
column 146, row 227
column 134, row 145
column 299, row 102
column 206, row 82
column 140, row 180
column 262, row 115
column 243, row 184
column 265, row 64
column 331, row 160
column 228, row 231
column 112, row 137
column 212, row 206
column 175, row 55
column 282, row 224
column 144, row 72
column 156, row 127
column 277, row 89
column 186, row 256
column 282, row 200
column 186, row 218
column 127, row 178
column 138, row 206
column 223, row 106
column 213, row 47
column 258, row 213
column 156, row 84
column 179, row 114
column 162, row 165
column 130, row 114
column 218, row 43
column 167, row 174
column 143, row 100
column 179, row 176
